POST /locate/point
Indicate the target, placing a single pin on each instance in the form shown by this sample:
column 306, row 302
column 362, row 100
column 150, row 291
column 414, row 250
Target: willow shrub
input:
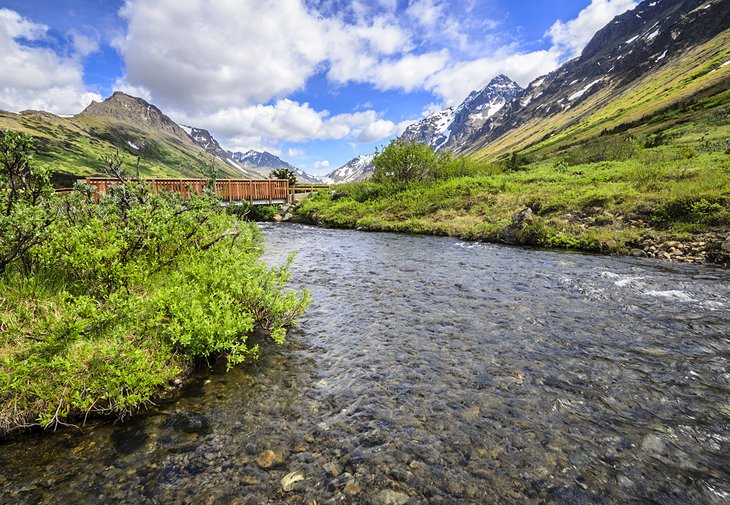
column 123, row 295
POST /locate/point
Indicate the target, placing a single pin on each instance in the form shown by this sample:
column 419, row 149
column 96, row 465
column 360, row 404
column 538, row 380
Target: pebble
column 352, row 489
column 333, row 469
column 389, row 497
column 269, row 458
column 290, row 479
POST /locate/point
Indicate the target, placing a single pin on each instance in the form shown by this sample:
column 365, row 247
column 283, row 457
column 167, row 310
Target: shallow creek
column 432, row 370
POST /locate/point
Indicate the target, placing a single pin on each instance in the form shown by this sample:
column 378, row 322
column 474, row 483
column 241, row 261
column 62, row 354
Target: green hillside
column 73, row 147
column 683, row 89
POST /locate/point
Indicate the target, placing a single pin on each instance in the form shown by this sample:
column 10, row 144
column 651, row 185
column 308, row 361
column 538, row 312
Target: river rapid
column 433, row 370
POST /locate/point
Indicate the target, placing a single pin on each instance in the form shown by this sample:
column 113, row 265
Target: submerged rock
column 289, row 480
column 269, row 459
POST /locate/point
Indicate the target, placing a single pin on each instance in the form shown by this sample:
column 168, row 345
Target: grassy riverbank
column 637, row 191
column 105, row 305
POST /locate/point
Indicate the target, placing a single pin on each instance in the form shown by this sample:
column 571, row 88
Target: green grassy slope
column 642, row 169
column 657, row 101
column 73, row 147
column 657, row 187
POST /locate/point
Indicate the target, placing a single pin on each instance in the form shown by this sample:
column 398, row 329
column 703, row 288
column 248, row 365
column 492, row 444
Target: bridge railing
column 255, row 191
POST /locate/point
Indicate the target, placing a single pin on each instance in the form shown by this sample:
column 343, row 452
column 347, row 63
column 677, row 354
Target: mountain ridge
column 619, row 63
column 358, row 168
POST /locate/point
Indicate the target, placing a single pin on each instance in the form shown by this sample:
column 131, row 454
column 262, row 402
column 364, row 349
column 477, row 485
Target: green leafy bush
column 403, row 162
column 116, row 299
column 25, row 193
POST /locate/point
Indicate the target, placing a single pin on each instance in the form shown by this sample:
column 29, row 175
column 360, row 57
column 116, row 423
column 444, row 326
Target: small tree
column 209, row 169
column 402, row 162
column 25, row 193
column 285, row 173
column 113, row 162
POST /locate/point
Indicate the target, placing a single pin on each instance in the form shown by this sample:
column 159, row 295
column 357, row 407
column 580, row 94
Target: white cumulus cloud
column 288, row 120
column 36, row 77
column 572, row 36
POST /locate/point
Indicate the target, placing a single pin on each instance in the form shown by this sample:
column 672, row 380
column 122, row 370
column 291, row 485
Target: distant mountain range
column 649, row 59
column 74, row 146
column 265, row 162
column 252, row 163
column 661, row 55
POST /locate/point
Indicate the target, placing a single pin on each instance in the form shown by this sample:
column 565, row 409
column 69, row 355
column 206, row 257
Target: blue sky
column 316, row 82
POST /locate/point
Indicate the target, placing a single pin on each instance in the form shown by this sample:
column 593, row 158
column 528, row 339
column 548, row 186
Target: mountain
column 661, row 55
column 264, row 163
column 356, row 169
column 448, row 129
column 433, row 130
column 147, row 139
column 73, row 147
column 479, row 107
column 123, row 107
column 442, row 130
column 205, row 140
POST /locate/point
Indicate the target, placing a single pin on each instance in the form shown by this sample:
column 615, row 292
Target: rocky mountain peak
column 357, row 169
column 263, row 162
column 444, row 130
column 123, row 107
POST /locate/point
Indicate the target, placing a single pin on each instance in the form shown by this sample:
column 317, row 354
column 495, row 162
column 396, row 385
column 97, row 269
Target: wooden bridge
column 254, row 191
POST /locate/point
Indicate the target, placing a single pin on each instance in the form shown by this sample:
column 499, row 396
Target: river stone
column 352, row 489
column 290, row 479
column 637, row 252
column 333, row 469
column 269, row 458
column 389, row 497
column 726, row 245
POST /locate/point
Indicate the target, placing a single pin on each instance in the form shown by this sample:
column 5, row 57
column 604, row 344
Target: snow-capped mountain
column 264, row 163
column 251, row 164
column 628, row 50
column 441, row 130
column 356, row 169
column 479, row 107
column 204, row 139
column 445, row 130
column 433, row 130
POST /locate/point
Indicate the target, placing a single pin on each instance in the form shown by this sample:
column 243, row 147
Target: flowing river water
column 432, row 370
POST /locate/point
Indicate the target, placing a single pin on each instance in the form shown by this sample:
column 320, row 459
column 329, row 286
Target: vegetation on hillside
column 72, row 148
column 103, row 305
column 612, row 193
column 679, row 91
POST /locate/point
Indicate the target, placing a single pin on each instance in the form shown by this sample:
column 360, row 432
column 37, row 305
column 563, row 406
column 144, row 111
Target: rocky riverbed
column 433, row 370
column 711, row 248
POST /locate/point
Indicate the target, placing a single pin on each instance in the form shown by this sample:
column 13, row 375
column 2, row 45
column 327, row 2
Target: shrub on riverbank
column 607, row 205
column 117, row 299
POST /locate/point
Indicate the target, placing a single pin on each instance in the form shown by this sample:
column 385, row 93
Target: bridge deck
column 254, row 191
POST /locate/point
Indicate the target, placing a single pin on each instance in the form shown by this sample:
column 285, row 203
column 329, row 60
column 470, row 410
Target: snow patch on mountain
column 447, row 129
column 583, row 91
column 356, row 169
